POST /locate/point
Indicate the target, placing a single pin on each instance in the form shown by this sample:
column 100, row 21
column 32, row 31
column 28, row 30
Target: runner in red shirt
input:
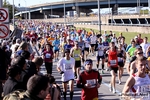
column 48, row 58
column 89, row 80
column 113, row 65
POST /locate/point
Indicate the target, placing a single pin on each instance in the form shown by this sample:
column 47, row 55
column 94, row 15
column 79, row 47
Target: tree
column 6, row 4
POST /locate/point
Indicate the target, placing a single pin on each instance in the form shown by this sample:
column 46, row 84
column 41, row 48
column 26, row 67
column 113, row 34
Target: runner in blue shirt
column 56, row 45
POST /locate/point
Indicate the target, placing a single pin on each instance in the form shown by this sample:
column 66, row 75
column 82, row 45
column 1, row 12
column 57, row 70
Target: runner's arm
column 128, row 85
column 99, row 78
column 132, row 68
column 71, row 52
column 59, row 69
column 79, row 82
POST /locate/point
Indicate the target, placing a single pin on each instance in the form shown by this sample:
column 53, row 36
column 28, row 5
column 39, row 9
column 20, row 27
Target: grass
column 144, row 11
column 127, row 35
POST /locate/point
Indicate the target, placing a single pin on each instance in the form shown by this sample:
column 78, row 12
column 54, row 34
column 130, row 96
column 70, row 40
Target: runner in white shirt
column 145, row 45
column 66, row 67
column 86, row 46
column 100, row 54
column 93, row 42
column 137, row 86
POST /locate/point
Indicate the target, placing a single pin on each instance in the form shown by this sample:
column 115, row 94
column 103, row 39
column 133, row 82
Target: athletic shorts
column 100, row 57
column 92, row 45
column 115, row 69
column 86, row 49
column 82, row 52
column 121, row 64
column 77, row 64
column 68, row 81
column 56, row 51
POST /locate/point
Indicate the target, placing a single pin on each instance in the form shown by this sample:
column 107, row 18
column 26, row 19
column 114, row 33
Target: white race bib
column 47, row 55
column 92, row 82
column 57, row 45
column 100, row 53
column 76, row 55
column 113, row 62
column 68, row 67
column 143, row 88
column 120, row 59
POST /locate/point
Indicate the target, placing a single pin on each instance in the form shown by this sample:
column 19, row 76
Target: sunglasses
column 140, row 53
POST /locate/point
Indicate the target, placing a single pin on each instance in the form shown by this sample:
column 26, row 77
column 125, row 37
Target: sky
column 24, row 3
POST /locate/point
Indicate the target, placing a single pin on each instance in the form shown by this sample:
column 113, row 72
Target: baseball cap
column 135, row 37
column 88, row 61
column 138, row 47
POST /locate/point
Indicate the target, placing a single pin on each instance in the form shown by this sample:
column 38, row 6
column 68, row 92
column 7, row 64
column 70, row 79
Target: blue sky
column 25, row 3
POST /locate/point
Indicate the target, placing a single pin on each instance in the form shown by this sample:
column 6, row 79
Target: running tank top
column 100, row 50
column 76, row 55
column 112, row 59
column 141, row 86
column 120, row 56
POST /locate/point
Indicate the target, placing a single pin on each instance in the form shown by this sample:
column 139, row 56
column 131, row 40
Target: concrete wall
column 119, row 28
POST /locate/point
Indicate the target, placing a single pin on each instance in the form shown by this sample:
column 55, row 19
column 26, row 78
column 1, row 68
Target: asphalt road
column 104, row 93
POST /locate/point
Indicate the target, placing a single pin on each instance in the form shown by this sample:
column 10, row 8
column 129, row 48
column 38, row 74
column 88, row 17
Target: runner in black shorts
column 100, row 54
column 121, row 61
column 77, row 55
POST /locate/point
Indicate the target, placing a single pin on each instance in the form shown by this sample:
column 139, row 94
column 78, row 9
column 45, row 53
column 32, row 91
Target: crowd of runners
column 43, row 43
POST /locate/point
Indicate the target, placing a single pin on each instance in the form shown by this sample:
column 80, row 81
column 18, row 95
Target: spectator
column 12, row 83
column 37, row 89
column 21, row 62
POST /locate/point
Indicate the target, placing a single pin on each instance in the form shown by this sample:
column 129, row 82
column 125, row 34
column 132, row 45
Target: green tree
column 6, row 4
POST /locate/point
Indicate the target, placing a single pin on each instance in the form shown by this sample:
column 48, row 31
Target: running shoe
column 114, row 90
column 119, row 82
column 102, row 71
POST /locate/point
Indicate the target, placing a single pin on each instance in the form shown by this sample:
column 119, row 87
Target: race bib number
column 100, row 53
column 92, row 82
column 47, row 55
column 76, row 55
column 57, row 45
column 143, row 88
column 113, row 62
column 120, row 59
column 67, row 68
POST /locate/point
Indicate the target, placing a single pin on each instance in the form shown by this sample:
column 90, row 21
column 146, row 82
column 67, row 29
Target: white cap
column 135, row 37
column 68, row 37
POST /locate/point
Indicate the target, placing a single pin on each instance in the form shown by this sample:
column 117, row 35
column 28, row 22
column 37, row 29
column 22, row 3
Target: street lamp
column 51, row 11
column 26, row 8
column 13, row 14
column 149, row 6
column 64, row 13
column 1, row 3
column 109, row 7
column 99, row 16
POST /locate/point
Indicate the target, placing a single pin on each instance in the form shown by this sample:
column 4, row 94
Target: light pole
column 99, row 16
column 138, row 6
column 51, row 11
column 64, row 13
column 26, row 8
column 13, row 14
column 109, row 7
column 1, row 3
column 149, row 6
